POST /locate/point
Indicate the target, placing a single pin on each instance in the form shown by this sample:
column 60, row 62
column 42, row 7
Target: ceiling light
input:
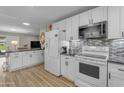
column 13, row 29
column 27, row 24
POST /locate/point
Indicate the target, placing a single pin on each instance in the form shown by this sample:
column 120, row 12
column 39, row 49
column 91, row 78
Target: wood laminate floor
column 32, row 77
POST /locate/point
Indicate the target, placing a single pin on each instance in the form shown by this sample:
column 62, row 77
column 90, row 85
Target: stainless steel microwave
column 93, row 31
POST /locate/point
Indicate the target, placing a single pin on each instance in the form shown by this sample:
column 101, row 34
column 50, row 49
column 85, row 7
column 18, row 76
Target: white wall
column 12, row 38
column 22, row 40
column 26, row 40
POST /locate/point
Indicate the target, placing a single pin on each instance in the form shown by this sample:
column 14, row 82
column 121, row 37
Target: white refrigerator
column 52, row 51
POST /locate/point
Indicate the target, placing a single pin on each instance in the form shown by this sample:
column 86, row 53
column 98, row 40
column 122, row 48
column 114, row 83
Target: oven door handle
column 92, row 62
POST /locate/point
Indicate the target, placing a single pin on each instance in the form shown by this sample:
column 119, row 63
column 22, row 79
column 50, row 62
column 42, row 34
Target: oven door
column 92, row 72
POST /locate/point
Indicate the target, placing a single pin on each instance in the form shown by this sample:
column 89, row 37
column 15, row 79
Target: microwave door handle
column 122, row 70
column 101, row 32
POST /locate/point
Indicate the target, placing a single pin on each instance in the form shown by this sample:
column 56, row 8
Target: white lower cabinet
column 15, row 60
column 25, row 59
column 115, row 75
column 71, row 68
column 34, row 57
column 64, row 66
column 40, row 57
column 68, row 67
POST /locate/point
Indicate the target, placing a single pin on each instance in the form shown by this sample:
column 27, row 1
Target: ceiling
column 12, row 17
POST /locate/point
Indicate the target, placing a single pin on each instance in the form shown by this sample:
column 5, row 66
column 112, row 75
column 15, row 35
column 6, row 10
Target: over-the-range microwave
column 93, row 31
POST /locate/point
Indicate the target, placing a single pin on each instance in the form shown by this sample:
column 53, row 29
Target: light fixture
column 15, row 43
column 13, row 29
column 27, row 24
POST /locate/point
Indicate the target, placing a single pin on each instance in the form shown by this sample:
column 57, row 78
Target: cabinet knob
column 30, row 55
column 66, row 63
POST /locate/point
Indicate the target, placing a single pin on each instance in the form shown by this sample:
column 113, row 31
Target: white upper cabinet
column 99, row 14
column 68, row 28
column 75, row 27
column 84, row 18
column 61, row 25
column 55, row 26
column 95, row 15
column 72, row 26
column 122, row 21
column 114, row 23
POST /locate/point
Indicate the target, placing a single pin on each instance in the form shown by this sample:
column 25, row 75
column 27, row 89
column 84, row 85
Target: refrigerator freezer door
column 52, row 59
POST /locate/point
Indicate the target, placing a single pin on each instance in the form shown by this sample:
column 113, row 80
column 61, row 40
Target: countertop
column 115, row 62
column 20, row 51
column 68, row 55
column 2, row 54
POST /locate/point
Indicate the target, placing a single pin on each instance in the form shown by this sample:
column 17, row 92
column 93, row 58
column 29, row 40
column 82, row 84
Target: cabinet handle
column 66, row 63
column 66, row 58
column 91, row 21
column 122, row 34
column 109, row 75
column 16, row 56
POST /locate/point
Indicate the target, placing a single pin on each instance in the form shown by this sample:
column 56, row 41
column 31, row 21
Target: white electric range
column 91, row 66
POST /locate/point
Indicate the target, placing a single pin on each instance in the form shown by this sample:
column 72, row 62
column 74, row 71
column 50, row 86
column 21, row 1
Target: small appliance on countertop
column 71, row 47
column 75, row 47
column 65, row 47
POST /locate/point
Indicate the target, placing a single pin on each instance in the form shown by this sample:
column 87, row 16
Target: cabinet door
column 33, row 58
column 26, row 59
column 68, row 28
column 114, row 22
column 122, row 21
column 85, row 18
column 99, row 14
column 64, row 66
column 75, row 26
column 71, row 68
column 41, row 57
column 55, row 26
column 115, row 80
column 15, row 61
column 62, row 25
column 115, row 75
